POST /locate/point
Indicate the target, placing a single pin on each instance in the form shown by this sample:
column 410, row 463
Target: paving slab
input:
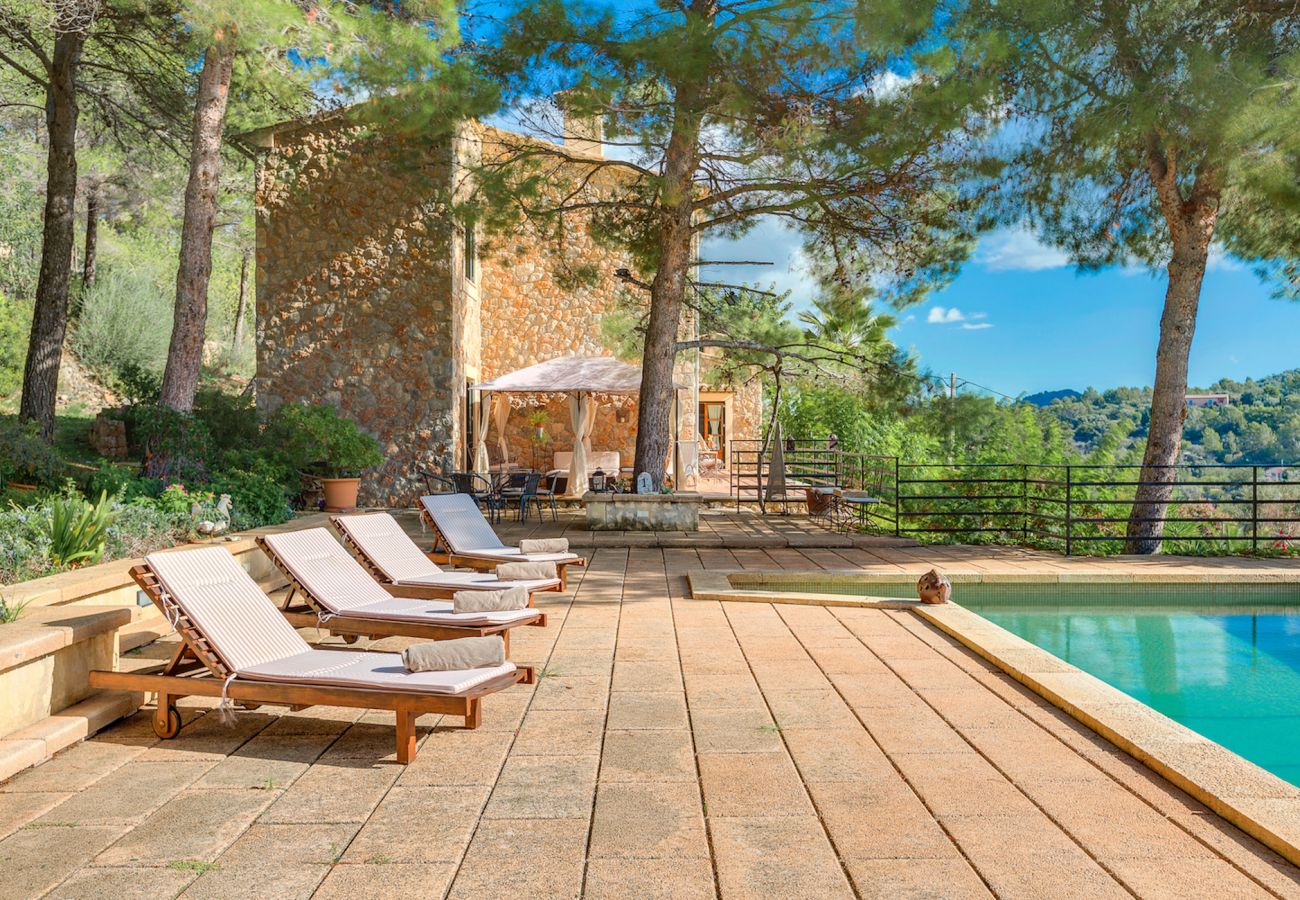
column 418, row 825
column 199, row 825
column 649, row 821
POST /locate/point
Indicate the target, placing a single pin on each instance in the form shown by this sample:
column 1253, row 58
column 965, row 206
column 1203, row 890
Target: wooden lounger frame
column 442, row 553
column 197, row 669
column 310, row 613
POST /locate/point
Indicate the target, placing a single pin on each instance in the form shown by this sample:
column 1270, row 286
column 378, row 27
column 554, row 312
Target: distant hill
column 1261, row 426
column 1046, row 398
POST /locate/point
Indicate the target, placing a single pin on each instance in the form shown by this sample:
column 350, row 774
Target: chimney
column 584, row 135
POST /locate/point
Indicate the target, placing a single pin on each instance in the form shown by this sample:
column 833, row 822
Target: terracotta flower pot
column 340, row 493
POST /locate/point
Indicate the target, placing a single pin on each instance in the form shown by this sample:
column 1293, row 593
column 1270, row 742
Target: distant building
column 1196, row 401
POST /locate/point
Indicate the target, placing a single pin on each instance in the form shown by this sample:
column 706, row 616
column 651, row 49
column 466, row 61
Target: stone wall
column 747, row 411
column 544, row 293
column 355, row 299
column 363, row 300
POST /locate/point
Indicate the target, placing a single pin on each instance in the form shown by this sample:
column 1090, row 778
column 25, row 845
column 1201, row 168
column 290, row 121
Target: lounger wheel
column 351, row 638
column 167, row 724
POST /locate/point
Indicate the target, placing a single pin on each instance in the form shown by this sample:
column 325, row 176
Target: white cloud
column 889, row 84
column 1220, row 261
column 1019, row 249
column 951, row 315
column 940, row 315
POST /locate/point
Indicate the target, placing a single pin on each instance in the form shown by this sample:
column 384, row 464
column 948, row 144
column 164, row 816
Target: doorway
column 713, row 427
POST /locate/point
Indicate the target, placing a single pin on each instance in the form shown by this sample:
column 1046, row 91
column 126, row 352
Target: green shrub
column 78, row 530
column 25, row 458
column 24, row 544
column 230, row 419
column 315, row 438
column 121, row 482
column 26, row 549
column 138, row 385
column 176, row 446
column 125, row 320
column 257, row 497
column 141, row 528
column 15, row 323
column 178, row 500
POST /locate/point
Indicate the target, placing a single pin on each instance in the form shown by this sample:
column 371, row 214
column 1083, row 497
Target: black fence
column 1218, row 508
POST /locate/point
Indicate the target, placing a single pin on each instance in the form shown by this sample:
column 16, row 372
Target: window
column 471, row 254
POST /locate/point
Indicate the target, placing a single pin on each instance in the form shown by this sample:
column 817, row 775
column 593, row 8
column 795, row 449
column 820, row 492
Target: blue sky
column 1019, row 318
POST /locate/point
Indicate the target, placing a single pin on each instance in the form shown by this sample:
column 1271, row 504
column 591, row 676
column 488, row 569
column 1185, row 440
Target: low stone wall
column 643, row 512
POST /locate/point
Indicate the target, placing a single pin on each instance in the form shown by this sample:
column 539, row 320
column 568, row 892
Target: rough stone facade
column 365, row 301
column 355, row 299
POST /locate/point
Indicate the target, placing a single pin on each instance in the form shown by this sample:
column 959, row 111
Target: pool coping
column 1251, row 798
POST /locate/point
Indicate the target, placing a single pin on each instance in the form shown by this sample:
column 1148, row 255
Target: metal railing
column 1074, row 508
column 812, row 464
column 1222, row 507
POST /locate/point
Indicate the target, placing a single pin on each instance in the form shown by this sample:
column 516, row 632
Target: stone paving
column 672, row 748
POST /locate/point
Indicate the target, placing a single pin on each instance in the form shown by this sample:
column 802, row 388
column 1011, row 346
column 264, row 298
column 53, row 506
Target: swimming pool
column 1224, row 660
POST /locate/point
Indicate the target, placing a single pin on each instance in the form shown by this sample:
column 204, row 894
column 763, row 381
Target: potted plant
column 328, row 446
column 538, row 419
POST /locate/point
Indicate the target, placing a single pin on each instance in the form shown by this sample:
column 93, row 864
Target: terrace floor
column 673, row 748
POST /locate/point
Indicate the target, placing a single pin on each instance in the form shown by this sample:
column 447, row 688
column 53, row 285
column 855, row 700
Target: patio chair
column 545, row 497
column 529, row 495
column 341, row 596
column 237, row 646
column 486, row 492
column 437, row 483
column 462, row 537
column 393, row 559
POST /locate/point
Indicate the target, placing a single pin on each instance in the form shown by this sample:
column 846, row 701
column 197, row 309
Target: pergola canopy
column 571, row 375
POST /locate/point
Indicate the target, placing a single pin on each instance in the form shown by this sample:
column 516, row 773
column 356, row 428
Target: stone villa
column 371, row 299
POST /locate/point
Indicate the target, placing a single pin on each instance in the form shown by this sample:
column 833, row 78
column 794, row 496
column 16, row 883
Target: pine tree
column 717, row 115
column 1127, row 143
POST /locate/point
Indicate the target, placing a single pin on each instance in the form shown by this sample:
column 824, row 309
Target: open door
column 713, row 427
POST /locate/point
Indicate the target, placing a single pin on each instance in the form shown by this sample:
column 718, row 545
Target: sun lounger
column 341, row 596
column 237, row 646
column 388, row 552
column 464, row 538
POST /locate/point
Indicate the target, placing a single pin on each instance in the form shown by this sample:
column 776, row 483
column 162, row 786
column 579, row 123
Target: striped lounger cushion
column 468, row 534
column 399, row 559
column 244, row 627
column 341, row 586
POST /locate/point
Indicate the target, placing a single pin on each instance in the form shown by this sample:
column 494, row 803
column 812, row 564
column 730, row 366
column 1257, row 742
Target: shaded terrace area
column 672, row 748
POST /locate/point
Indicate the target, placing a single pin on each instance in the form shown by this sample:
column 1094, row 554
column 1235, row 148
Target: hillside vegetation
column 1261, row 427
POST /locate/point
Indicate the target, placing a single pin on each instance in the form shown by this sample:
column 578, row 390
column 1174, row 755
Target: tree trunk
column 1191, row 227
column 668, row 289
column 185, row 355
column 50, row 315
column 238, row 340
column 92, row 236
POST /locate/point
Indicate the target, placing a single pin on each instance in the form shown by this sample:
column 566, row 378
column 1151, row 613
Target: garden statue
column 934, row 587
column 219, row 523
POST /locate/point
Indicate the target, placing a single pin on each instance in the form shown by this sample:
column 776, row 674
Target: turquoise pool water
column 1224, row 662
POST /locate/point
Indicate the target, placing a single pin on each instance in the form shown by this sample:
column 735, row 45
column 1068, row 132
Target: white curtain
column 482, row 412
column 501, row 413
column 578, row 406
column 589, row 423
